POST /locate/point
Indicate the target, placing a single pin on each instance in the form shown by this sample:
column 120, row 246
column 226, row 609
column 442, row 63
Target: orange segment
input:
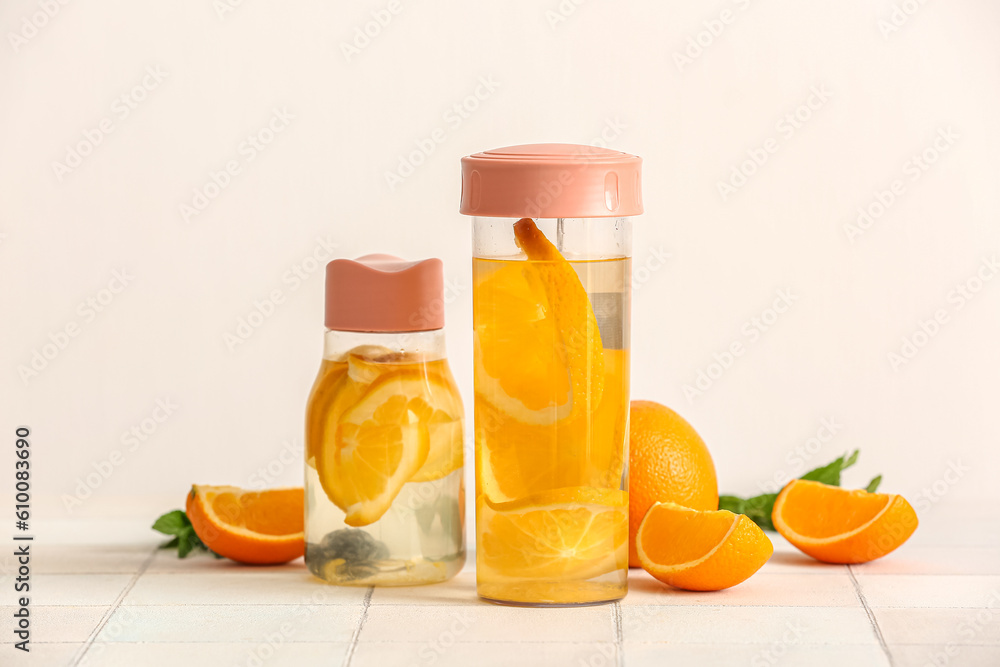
column 517, row 357
column 542, row 421
column 566, row 534
column 445, row 419
column 838, row 525
column 700, row 551
column 518, row 458
column 538, row 350
column 378, row 445
column 405, row 426
column 261, row 527
column 574, row 317
column 324, row 390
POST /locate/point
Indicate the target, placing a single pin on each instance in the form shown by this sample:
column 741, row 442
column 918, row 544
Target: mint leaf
column 759, row 508
column 873, row 485
column 830, row 473
column 734, row 504
column 184, row 547
column 186, row 541
column 172, row 523
column 171, row 544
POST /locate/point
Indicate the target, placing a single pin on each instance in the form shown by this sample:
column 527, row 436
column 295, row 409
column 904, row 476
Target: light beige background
column 600, row 71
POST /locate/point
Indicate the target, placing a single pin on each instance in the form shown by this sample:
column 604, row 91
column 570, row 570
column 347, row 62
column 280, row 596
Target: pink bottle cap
column 551, row 181
column 384, row 293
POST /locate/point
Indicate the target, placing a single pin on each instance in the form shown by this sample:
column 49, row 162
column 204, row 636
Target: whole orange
column 668, row 462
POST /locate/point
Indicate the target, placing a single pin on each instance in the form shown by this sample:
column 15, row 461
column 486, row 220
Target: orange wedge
column 259, row 527
column 838, row 525
column 700, row 551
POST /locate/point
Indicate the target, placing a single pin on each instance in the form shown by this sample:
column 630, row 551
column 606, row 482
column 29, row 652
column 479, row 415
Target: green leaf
column 830, row 473
column 172, row 523
column 184, row 547
column 873, row 485
column 186, row 541
column 171, row 544
column 759, row 509
column 734, row 504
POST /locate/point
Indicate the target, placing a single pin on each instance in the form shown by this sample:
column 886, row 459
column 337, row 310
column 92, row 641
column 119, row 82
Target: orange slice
column 384, row 439
column 574, row 317
column 700, row 551
column 538, row 351
column 517, row 359
column 325, row 390
column 540, row 375
column 517, row 459
column 565, row 534
column 260, row 527
column 838, row 525
column 343, row 387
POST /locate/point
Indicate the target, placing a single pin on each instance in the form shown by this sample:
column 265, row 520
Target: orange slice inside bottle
column 383, row 440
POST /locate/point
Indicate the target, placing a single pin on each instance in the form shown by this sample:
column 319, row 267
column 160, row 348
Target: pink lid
column 384, row 293
column 551, row 181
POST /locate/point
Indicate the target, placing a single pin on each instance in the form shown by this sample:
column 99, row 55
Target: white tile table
column 123, row 602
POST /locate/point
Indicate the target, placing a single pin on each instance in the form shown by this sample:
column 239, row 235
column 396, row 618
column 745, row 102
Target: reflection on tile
column 487, row 622
column 947, row 525
column 89, row 559
column 725, row 655
column 736, row 625
column 501, row 654
column 274, row 624
column 459, row 590
column 956, row 656
column 928, row 590
column 936, row 560
column 77, row 589
column 941, row 626
column 263, row 653
column 166, row 560
column 801, row 590
column 260, row 586
column 47, row 655
column 56, row 624
column 786, row 559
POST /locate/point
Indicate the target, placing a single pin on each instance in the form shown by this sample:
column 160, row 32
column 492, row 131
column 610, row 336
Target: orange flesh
column 279, row 513
column 703, row 532
column 841, row 511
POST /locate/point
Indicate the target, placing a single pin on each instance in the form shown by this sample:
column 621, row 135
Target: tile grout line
column 113, row 608
column 365, row 604
column 871, row 615
column 616, row 615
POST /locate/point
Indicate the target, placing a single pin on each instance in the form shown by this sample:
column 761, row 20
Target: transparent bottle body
column 551, row 411
column 419, row 538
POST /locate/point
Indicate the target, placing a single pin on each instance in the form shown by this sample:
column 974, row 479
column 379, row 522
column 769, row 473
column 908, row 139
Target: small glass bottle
column 384, row 431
